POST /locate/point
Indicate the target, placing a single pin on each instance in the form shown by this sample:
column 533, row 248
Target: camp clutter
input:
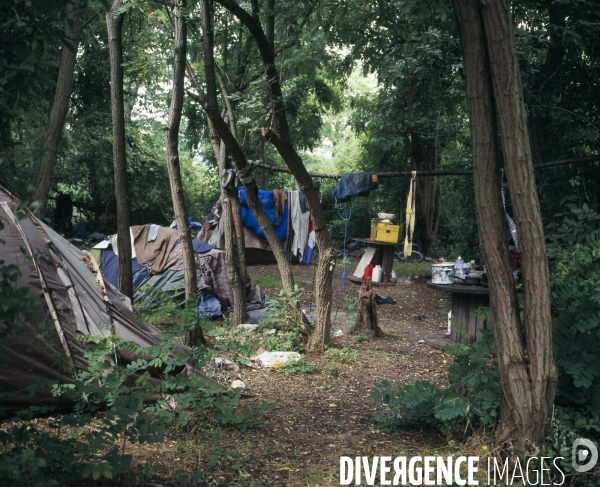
column 157, row 263
column 289, row 215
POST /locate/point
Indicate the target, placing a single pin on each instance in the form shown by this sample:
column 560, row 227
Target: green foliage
column 292, row 367
column 283, row 314
column 472, row 396
column 574, row 252
column 109, row 404
column 343, row 356
column 566, row 426
column 360, row 338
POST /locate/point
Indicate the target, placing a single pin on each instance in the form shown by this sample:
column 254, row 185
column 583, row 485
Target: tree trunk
column 424, row 158
column 366, row 314
column 42, row 179
column 512, row 117
column 7, row 156
column 280, row 138
column 114, row 26
column 172, row 142
column 518, row 422
column 209, row 103
column 233, row 272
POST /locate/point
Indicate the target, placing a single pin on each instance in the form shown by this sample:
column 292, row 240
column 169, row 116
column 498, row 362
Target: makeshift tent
column 157, row 263
column 287, row 212
column 75, row 300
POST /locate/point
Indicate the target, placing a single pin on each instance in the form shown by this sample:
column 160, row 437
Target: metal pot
column 472, row 280
column 442, row 273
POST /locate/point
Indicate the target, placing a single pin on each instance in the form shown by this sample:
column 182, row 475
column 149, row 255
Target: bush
column 473, row 394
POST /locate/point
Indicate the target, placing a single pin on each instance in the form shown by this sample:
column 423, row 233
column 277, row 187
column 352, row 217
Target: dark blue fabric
column 139, row 276
column 266, row 200
column 79, row 229
column 193, row 224
column 354, row 184
column 109, row 265
column 384, row 299
column 135, row 265
column 209, row 304
column 199, row 246
column 302, row 202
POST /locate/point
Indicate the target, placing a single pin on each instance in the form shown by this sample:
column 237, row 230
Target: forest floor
column 321, row 416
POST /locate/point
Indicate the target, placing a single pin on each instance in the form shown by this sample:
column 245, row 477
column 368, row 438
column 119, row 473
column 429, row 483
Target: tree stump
column 366, row 315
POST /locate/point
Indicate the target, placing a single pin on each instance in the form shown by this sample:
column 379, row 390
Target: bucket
column 442, row 273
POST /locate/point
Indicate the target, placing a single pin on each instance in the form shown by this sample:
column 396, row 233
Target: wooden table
column 383, row 257
column 465, row 301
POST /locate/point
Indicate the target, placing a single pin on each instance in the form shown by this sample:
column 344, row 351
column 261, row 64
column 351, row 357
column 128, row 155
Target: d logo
column 584, row 459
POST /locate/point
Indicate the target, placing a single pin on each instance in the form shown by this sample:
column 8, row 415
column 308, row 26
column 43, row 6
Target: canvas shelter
column 75, row 300
column 157, row 263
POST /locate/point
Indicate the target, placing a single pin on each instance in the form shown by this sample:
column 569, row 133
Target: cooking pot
column 472, row 280
column 442, row 273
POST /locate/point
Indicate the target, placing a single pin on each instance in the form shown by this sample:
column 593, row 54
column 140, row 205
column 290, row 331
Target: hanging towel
column 300, row 222
column 410, row 215
column 153, row 232
column 354, row 184
column 279, row 198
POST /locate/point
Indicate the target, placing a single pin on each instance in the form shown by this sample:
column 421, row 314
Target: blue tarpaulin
column 266, row 200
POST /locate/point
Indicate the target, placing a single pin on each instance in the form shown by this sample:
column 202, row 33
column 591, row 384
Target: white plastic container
column 377, row 272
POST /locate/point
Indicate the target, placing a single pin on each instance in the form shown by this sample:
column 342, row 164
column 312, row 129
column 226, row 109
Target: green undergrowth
column 111, row 407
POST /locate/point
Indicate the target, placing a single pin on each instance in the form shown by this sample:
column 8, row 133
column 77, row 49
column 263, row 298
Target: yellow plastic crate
column 386, row 232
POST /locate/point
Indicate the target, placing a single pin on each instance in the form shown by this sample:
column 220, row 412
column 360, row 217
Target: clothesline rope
column 407, row 174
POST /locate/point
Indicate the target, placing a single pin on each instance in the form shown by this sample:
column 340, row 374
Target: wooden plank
column 364, row 262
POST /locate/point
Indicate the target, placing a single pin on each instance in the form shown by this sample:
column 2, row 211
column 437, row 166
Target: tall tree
column 279, row 136
column 209, row 102
column 42, row 179
column 172, row 142
column 114, row 27
column 493, row 89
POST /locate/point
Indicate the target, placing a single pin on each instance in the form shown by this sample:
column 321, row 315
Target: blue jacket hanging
column 354, row 184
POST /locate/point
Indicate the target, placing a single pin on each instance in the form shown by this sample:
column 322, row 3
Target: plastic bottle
column 459, row 268
column 377, row 272
column 368, row 272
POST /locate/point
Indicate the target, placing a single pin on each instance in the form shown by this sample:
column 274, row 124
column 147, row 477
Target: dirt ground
column 322, row 416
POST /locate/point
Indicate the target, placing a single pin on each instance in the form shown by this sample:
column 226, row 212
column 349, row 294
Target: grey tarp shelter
column 44, row 347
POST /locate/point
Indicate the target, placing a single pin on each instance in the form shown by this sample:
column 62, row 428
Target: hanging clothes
column 410, row 215
column 310, row 245
column 511, row 224
column 300, row 223
column 354, row 184
column 267, row 202
column 279, row 198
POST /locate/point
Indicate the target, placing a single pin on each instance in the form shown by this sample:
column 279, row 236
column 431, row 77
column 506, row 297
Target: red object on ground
column 514, row 260
column 368, row 272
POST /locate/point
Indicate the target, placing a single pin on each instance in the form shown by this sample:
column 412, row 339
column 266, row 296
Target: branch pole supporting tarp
column 449, row 172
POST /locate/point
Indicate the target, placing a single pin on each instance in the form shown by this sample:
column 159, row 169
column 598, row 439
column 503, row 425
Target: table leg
column 387, row 263
column 466, row 327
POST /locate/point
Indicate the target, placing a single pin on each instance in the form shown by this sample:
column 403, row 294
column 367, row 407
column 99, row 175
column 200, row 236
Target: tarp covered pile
column 157, row 263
